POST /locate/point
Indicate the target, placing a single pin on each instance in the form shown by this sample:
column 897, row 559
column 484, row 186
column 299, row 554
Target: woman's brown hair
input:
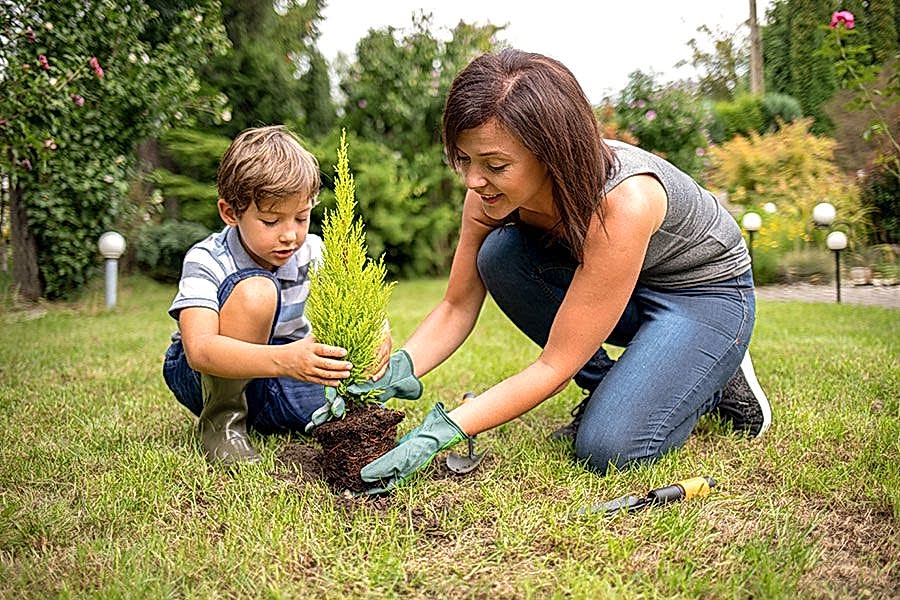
column 538, row 100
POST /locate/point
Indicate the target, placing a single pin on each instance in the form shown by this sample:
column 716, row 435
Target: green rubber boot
column 223, row 422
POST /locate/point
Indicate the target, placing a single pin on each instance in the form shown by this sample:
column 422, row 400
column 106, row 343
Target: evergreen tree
column 273, row 68
column 348, row 295
column 776, row 48
column 881, row 21
column 811, row 75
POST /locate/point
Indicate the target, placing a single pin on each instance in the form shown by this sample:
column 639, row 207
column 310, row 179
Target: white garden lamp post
column 823, row 214
column 837, row 241
column 751, row 222
column 111, row 245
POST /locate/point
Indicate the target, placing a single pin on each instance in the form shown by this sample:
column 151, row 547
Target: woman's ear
column 227, row 213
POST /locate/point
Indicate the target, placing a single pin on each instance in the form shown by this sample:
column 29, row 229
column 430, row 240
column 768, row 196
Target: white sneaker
column 744, row 403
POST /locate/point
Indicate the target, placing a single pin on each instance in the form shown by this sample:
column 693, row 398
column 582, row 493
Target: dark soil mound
column 366, row 432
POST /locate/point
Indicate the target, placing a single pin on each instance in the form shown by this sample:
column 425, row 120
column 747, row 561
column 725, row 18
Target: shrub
column 880, row 195
column 667, row 120
column 765, row 265
column 810, row 264
column 742, row 115
column 779, row 109
column 160, row 249
column 112, row 73
column 791, row 168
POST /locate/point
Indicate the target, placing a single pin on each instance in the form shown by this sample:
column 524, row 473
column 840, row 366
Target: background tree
column 273, row 73
column 274, row 70
column 394, row 95
column 724, row 69
column 80, row 92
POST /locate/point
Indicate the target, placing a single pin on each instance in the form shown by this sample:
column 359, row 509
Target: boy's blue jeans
column 274, row 405
column 681, row 347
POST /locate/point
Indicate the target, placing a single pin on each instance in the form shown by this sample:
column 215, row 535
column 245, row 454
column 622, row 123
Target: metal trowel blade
column 460, row 464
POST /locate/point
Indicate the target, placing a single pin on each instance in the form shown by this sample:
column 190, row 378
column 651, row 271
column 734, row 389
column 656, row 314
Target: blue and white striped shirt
column 210, row 261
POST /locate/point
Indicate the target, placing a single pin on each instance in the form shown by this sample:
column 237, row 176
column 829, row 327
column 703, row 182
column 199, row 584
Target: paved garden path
column 871, row 295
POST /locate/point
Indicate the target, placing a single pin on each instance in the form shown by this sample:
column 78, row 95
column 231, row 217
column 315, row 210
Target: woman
column 582, row 241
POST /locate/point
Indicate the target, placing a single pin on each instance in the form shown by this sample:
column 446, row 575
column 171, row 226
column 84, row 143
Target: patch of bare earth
column 860, row 550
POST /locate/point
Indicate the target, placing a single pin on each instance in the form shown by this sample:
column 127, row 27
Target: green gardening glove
column 334, row 407
column 398, row 381
column 415, row 451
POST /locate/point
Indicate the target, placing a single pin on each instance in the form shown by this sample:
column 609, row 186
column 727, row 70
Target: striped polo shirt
column 210, row 261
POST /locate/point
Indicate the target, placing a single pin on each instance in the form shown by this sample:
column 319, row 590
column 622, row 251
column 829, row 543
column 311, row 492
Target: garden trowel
column 462, row 464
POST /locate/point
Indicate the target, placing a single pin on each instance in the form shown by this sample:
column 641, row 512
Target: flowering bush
column 668, row 121
column 83, row 82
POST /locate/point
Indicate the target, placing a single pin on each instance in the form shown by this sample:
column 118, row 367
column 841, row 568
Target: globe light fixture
column 837, row 241
column 770, row 208
column 823, row 214
column 751, row 222
column 111, row 245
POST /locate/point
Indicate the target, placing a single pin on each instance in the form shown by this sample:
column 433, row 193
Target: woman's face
column 507, row 176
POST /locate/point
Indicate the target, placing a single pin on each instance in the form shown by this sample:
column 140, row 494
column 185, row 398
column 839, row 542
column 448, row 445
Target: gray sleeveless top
column 698, row 241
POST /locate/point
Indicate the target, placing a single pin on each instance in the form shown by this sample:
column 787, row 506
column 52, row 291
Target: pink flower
column 78, row 100
column 95, row 64
column 29, row 34
column 641, row 104
column 650, row 115
column 25, row 163
column 45, row 64
column 3, row 122
column 362, row 104
column 700, row 151
column 49, row 144
column 844, row 17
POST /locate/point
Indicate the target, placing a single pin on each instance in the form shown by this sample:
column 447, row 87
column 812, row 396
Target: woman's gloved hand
column 398, row 381
column 334, row 407
column 415, row 451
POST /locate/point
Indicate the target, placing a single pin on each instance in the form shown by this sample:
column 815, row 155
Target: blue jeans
column 274, row 405
column 681, row 347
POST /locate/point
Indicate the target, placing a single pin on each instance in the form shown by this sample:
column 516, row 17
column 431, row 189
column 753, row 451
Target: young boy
column 243, row 354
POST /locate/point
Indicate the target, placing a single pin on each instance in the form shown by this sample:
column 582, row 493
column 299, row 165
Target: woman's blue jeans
column 681, row 347
column 274, row 404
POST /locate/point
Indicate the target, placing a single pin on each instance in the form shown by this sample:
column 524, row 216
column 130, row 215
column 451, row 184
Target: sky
column 601, row 42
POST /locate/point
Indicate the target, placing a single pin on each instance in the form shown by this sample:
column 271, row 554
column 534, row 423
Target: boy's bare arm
column 210, row 352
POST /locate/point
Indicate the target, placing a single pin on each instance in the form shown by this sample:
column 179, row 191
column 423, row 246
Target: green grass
column 103, row 491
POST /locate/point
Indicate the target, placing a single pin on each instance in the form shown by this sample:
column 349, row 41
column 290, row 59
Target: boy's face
column 271, row 234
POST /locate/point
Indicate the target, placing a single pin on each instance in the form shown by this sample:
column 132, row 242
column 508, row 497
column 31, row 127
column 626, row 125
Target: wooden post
column 757, row 85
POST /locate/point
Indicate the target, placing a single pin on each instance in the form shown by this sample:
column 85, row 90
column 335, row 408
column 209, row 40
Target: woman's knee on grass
column 249, row 311
column 602, row 450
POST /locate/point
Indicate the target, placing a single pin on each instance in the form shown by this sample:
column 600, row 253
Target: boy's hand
column 317, row 363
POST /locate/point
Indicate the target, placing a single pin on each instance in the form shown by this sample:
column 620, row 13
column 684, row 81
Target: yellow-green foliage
column 348, row 295
column 791, row 168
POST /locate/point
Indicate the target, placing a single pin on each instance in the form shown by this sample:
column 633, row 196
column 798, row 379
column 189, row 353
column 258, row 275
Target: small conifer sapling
column 348, row 294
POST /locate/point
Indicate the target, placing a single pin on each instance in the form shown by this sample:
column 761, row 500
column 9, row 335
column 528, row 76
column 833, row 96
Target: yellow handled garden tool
column 695, row 487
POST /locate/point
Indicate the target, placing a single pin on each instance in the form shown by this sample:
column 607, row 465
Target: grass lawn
column 103, row 491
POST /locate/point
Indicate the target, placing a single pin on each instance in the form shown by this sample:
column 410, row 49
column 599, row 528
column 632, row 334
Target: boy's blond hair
column 266, row 164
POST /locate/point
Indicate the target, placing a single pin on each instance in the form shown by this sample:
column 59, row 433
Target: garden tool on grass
column 460, row 464
column 695, row 487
